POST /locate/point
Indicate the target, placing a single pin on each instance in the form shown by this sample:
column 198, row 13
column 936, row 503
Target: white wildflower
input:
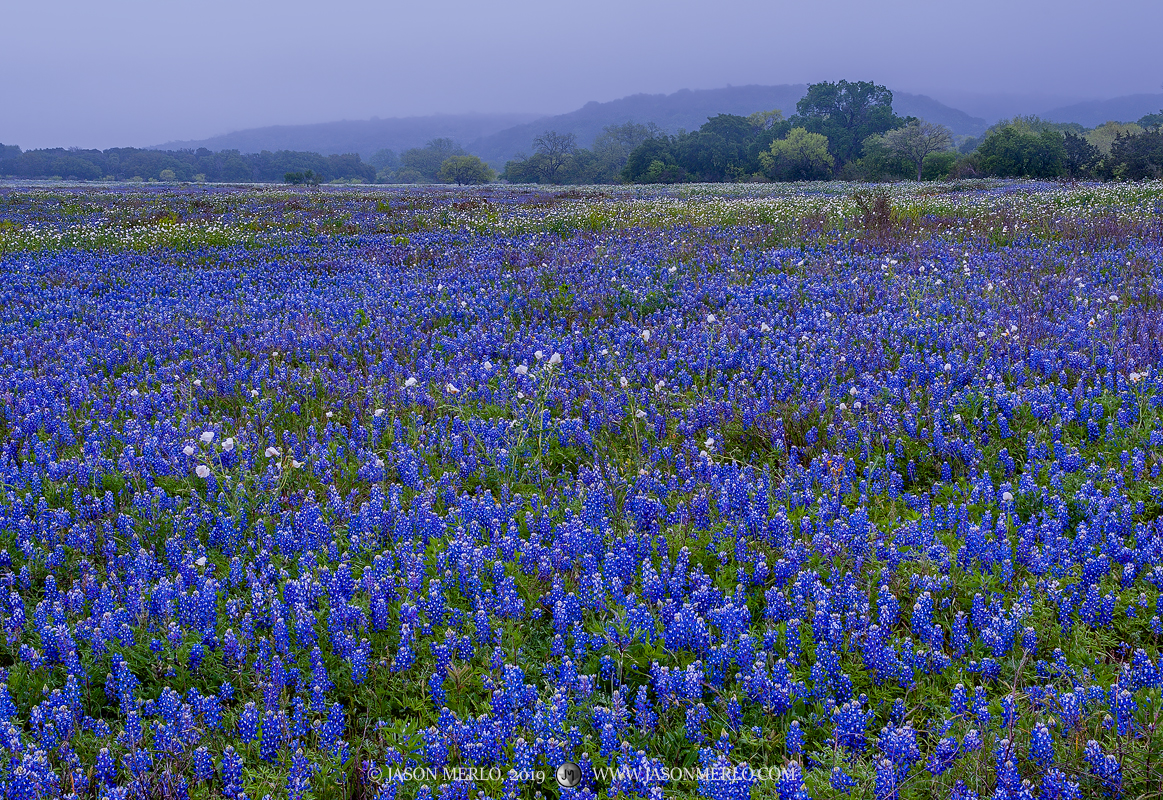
column 202, row 471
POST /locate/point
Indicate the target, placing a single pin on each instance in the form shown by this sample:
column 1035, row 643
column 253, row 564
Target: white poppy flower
column 521, row 369
column 646, row 336
column 379, row 412
column 623, row 381
column 228, row 444
column 539, row 355
column 410, row 382
column 555, row 359
column 207, row 436
column 202, row 471
column 188, row 450
column 452, row 389
column 271, row 452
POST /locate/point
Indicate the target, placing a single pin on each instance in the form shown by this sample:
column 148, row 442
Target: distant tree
column 426, row 161
column 1014, row 152
column 1104, row 135
column 555, row 149
column 720, row 150
column 384, row 159
column 802, row 156
column 938, row 166
column 847, row 114
column 625, row 137
column 463, row 170
column 167, row 175
column 1136, row 157
column 1146, row 121
column 604, row 161
column 306, row 177
column 879, row 162
column 1081, row 157
column 658, row 148
column 917, row 140
column 766, row 120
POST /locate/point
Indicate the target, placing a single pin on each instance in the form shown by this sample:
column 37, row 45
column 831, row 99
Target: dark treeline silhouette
column 130, row 163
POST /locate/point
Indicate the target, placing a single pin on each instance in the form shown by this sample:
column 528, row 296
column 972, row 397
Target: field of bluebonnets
column 715, row 492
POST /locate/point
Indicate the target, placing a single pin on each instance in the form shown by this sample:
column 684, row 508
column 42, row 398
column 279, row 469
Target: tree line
column 845, row 130
column 131, row 163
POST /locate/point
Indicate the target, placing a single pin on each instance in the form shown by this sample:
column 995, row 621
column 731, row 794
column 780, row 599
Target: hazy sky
column 137, row 72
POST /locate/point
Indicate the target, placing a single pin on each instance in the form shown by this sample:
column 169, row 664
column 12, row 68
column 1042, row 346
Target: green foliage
column 307, row 177
column 847, row 114
column 726, row 148
column 559, row 160
column 1136, row 157
column 463, row 170
column 918, row 140
column 1146, row 121
column 879, row 162
column 938, row 166
column 227, row 166
column 422, row 164
column 1015, row 151
column 1082, row 157
column 385, row 159
column 802, row 156
column 1103, row 137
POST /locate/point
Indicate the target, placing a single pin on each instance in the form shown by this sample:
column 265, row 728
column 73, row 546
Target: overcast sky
column 140, row 72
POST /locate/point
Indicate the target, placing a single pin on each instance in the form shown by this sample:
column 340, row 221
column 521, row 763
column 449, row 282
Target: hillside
column 357, row 136
column 687, row 109
column 498, row 138
column 1092, row 113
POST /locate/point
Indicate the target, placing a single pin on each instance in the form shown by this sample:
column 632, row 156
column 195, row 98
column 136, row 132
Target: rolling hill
column 357, row 136
column 498, row 138
column 1092, row 113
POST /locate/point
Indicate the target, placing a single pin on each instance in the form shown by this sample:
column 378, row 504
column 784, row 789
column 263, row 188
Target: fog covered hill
column 688, row 109
column 357, row 136
column 684, row 110
column 497, row 138
column 1093, row 113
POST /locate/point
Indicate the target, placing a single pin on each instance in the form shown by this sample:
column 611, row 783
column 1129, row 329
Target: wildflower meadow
column 735, row 491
